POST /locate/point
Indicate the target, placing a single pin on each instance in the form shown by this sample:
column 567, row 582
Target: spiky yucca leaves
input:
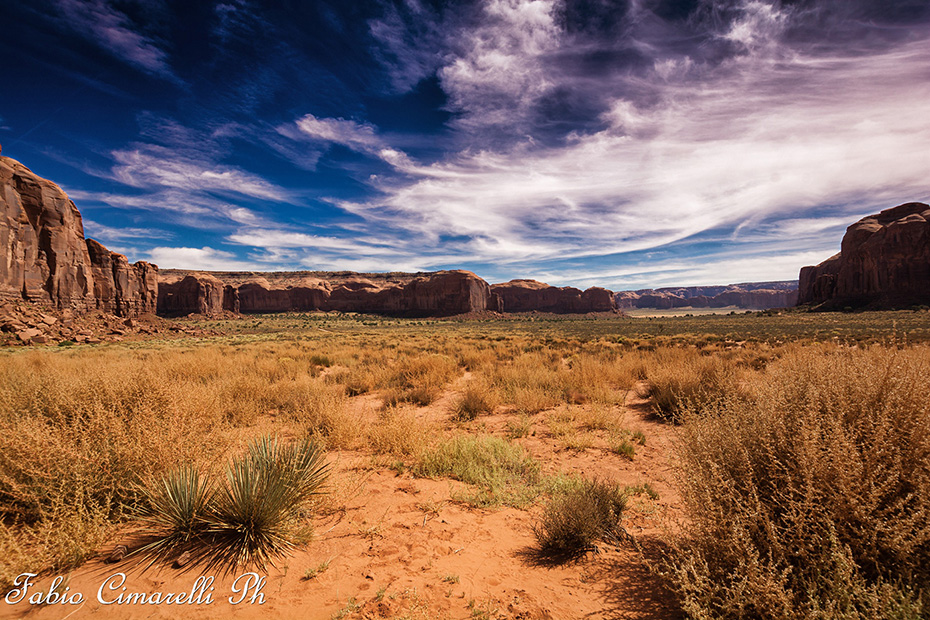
column 253, row 517
column 176, row 510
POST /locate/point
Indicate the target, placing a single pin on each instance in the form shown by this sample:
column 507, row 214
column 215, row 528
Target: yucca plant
column 176, row 510
column 248, row 520
column 253, row 516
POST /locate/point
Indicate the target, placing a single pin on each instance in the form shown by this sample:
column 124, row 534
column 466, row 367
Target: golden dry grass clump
column 419, row 379
column 541, row 379
column 810, row 497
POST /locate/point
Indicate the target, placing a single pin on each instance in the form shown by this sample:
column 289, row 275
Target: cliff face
column 47, row 260
column 884, row 261
column 530, row 295
column 441, row 293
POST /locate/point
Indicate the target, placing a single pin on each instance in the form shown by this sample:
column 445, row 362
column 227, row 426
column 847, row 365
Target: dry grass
column 400, row 433
column 681, row 378
column 531, row 383
column 477, row 398
column 811, row 497
column 419, row 379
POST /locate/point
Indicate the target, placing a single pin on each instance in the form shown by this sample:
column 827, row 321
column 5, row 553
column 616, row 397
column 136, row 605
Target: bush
column 477, row 398
column 811, row 498
column 577, row 518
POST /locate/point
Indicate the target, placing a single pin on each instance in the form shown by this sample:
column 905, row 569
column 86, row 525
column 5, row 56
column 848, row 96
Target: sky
column 618, row 143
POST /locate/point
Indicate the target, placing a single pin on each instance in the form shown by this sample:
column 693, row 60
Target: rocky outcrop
column 751, row 295
column 884, row 262
column 47, row 260
column 530, row 295
column 441, row 293
column 120, row 288
column 198, row 293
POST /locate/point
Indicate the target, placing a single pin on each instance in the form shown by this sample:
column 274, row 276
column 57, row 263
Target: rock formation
column 47, row 260
column 884, row 262
column 120, row 288
column 754, row 295
column 530, row 295
column 441, row 293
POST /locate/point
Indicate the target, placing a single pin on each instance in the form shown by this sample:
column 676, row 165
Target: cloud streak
column 113, row 31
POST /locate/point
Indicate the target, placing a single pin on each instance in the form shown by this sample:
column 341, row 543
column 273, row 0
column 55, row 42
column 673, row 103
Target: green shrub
column 504, row 472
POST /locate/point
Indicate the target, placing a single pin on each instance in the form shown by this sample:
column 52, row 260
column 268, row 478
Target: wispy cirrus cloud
column 360, row 137
column 149, row 166
column 179, row 171
column 99, row 231
column 110, row 28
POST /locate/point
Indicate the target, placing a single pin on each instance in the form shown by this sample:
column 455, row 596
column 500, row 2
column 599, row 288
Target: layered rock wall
column 884, row 262
column 530, row 295
column 441, row 293
column 47, row 260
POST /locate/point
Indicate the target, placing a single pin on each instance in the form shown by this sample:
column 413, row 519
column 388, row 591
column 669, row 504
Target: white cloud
column 360, row 137
column 96, row 230
column 150, row 166
column 206, row 259
column 265, row 238
column 499, row 69
column 349, row 133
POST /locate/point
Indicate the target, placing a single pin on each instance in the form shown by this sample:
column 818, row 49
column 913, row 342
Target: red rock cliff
column 441, row 293
column 47, row 260
column 530, row 295
column 884, row 261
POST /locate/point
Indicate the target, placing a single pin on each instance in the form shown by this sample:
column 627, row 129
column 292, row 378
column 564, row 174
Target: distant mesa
column 441, row 293
column 749, row 295
column 884, row 262
column 530, row 295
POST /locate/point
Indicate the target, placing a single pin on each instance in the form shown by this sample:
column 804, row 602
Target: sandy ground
column 400, row 547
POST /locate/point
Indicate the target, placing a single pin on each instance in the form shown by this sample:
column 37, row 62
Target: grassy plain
column 796, row 448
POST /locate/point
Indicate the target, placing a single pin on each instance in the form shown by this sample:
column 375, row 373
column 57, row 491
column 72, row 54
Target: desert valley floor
column 405, row 527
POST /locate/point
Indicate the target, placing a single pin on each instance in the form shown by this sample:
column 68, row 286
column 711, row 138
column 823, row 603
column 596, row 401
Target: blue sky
column 626, row 144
